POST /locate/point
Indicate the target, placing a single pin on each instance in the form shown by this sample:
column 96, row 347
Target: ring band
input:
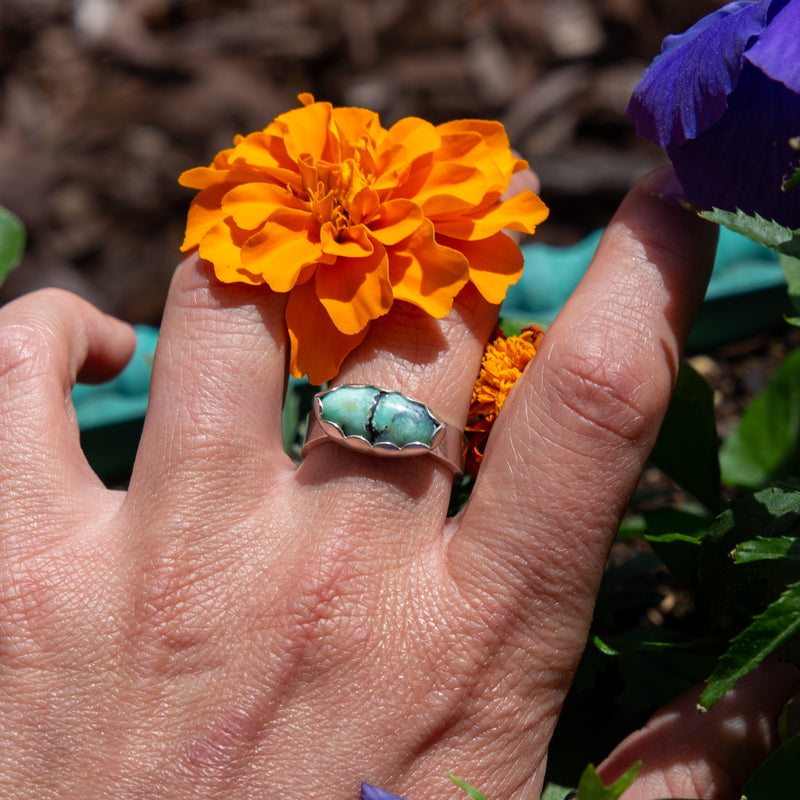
column 382, row 423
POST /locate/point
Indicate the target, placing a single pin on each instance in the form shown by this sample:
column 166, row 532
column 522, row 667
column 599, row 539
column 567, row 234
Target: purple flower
column 373, row 793
column 724, row 99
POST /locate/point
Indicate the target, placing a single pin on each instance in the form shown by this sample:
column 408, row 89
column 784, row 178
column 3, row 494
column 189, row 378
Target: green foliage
column 555, row 791
column 739, row 559
column 750, row 580
column 777, row 777
column 777, row 624
column 764, row 232
column 766, row 444
column 792, row 181
column 781, row 547
column 591, row 787
column 791, row 273
column 686, row 448
column 12, row 242
column 474, row 793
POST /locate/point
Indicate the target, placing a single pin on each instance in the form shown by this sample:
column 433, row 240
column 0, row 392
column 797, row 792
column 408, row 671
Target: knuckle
column 323, row 608
column 29, row 333
column 24, row 348
column 175, row 620
column 605, row 388
column 41, row 600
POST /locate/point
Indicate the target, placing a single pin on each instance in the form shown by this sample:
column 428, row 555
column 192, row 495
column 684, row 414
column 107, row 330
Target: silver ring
column 381, row 422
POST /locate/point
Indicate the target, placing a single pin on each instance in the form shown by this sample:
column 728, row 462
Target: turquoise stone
column 349, row 408
column 401, row 422
column 383, row 419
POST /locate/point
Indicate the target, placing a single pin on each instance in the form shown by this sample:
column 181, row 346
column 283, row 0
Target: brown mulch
column 103, row 104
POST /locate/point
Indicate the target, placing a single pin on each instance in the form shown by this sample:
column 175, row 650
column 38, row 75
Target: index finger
column 575, row 433
column 48, row 339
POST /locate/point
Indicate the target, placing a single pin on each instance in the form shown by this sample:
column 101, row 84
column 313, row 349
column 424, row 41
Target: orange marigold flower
column 346, row 217
column 504, row 359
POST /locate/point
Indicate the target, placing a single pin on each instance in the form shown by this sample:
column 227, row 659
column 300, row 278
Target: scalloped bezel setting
column 378, row 421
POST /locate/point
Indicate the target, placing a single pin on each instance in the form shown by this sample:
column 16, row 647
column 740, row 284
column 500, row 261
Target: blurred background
column 103, row 103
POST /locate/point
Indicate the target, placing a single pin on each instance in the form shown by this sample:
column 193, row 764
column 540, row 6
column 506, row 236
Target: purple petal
column 686, row 88
column 741, row 161
column 777, row 51
column 374, row 793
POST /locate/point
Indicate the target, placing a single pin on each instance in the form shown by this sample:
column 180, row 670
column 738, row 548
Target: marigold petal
column 204, row 213
column 317, row 346
column 354, row 242
column 201, row 177
column 523, row 212
column 280, row 250
column 251, row 204
column 263, row 155
column 221, row 245
column 306, row 130
column 503, row 362
column 451, row 188
column 205, row 177
column 494, row 135
column 354, row 291
column 416, row 136
column 261, row 149
column 472, row 149
column 355, row 126
column 407, row 141
column 494, row 264
column 397, row 219
column 426, row 273
column 364, row 206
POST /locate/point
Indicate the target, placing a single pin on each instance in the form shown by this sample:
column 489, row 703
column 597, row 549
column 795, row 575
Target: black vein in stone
column 368, row 426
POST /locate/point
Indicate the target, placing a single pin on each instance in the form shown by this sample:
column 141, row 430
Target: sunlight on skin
column 689, row 754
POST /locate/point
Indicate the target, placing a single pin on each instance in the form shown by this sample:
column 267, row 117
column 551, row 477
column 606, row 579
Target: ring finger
column 430, row 361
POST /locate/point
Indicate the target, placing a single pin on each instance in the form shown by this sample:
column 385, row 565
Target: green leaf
column 791, row 274
column 736, row 592
column 592, row 788
column 554, row 791
column 12, row 242
column 763, row 549
column 603, row 647
column 776, row 777
column 764, row 232
column 766, row 444
column 779, row 622
column 474, row 793
column 792, row 181
column 680, row 553
column 686, row 448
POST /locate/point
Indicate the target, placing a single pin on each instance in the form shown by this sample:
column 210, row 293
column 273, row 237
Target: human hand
column 237, row 627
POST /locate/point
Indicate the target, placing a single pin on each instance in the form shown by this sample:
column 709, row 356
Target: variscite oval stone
column 382, row 419
column 349, row 408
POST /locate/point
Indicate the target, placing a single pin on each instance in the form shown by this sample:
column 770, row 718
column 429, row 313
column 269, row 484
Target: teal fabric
column 551, row 273
column 125, row 397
